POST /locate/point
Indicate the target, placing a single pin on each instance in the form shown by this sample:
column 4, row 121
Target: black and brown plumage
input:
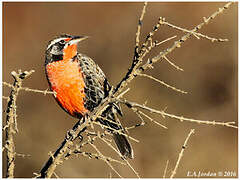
column 81, row 85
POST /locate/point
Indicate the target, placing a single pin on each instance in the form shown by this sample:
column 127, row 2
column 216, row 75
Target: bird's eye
column 62, row 42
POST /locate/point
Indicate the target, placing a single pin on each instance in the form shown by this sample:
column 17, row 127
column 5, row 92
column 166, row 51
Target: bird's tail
column 123, row 145
column 121, row 141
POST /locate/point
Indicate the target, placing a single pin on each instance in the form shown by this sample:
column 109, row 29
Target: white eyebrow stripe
column 55, row 41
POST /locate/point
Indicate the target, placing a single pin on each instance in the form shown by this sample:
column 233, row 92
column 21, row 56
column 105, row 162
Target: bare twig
column 6, row 98
column 117, row 131
column 135, row 70
column 181, row 153
column 171, row 63
column 177, row 44
column 11, row 122
column 136, row 59
column 180, row 118
column 96, row 156
column 163, row 83
column 23, row 155
column 105, row 160
column 197, row 35
column 139, row 26
column 29, row 89
column 145, row 49
column 54, row 160
column 55, row 174
column 126, row 161
column 151, row 119
column 8, row 85
column 45, row 92
column 165, row 170
column 168, row 39
column 77, row 150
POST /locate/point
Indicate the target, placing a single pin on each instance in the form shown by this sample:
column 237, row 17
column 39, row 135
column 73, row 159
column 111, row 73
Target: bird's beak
column 77, row 39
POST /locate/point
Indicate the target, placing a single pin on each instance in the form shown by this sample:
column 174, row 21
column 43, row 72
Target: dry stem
column 163, row 83
column 29, row 89
column 165, row 170
column 11, row 120
column 197, row 35
column 105, row 160
column 56, row 159
column 177, row 44
column 126, row 161
column 181, row 153
column 133, row 105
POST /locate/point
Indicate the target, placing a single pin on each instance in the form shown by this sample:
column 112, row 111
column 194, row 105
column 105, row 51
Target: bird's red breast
column 66, row 79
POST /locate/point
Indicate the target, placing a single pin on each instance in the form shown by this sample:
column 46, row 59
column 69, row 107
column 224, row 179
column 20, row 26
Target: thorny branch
column 138, row 66
column 125, row 161
column 92, row 137
column 165, row 170
column 180, row 118
column 11, row 120
column 197, row 35
column 181, row 153
column 57, row 157
column 105, row 160
column 29, row 89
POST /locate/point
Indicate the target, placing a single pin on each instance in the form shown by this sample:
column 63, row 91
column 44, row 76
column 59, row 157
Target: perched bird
column 81, row 85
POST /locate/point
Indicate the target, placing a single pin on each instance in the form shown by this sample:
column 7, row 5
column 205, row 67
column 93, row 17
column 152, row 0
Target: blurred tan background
column 210, row 77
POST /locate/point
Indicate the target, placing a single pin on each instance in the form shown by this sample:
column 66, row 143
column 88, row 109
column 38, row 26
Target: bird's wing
column 96, row 84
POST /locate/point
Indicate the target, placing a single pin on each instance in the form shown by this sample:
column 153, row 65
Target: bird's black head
column 56, row 48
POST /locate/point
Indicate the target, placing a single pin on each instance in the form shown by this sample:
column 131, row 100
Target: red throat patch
column 70, row 52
